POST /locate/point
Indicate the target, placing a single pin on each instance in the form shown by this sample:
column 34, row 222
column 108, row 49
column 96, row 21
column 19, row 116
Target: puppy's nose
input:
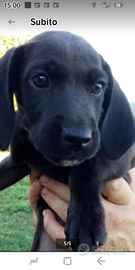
column 77, row 137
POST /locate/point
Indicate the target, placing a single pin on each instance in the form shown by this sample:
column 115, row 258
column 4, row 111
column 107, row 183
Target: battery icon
column 118, row 5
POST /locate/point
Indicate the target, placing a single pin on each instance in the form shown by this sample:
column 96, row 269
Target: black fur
column 65, row 128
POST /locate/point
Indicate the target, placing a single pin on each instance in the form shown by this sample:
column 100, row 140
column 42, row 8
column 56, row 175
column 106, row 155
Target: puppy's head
column 65, row 92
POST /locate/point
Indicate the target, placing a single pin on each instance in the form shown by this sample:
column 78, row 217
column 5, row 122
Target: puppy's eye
column 40, row 80
column 97, row 88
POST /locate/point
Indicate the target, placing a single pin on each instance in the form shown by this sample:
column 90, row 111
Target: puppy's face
column 61, row 92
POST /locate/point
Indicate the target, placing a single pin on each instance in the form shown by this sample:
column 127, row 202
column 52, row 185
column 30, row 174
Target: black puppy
column 73, row 123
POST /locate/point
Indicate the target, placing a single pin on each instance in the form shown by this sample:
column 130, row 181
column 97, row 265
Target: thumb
column 119, row 192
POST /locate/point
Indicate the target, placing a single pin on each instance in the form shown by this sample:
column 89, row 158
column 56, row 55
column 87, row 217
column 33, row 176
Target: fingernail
column 44, row 191
column 44, row 213
column 44, row 178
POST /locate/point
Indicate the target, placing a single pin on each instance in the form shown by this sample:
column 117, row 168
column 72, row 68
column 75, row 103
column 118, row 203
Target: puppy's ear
column 6, row 100
column 118, row 126
column 11, row 65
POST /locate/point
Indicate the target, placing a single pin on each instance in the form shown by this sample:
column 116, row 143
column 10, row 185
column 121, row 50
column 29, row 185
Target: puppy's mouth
column 65, row 162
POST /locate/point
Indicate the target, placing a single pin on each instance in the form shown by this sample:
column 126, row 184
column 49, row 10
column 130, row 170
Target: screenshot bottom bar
column 64, row 260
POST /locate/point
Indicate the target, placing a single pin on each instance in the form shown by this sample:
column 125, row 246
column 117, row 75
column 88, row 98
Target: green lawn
column 16, row 227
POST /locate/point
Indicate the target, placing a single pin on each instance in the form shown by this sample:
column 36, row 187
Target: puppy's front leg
column 11, row 172
column 85, row 221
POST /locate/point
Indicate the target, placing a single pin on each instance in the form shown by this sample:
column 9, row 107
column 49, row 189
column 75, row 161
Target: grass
column 16, row 227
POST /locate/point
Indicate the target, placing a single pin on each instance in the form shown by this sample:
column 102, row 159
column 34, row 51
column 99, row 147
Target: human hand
column 34, row 193
column 60, row 198
column 119, row 210
column 119, row 214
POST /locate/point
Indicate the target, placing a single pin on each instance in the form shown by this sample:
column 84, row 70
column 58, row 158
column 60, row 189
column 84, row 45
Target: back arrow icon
column 10, row 21
column 100, row 261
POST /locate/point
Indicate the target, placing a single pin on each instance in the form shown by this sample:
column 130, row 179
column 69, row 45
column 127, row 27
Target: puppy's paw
column 86, row 227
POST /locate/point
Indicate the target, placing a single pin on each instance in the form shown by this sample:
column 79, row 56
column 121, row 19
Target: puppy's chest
column 41, row 164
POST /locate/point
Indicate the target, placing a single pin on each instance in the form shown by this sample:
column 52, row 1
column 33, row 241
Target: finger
column 60, row 189
column 35, row 218
column 118, row 191
column 34, row 175
column 59, row 206
column 52, row 226
column 132, row 175
column 34, row 194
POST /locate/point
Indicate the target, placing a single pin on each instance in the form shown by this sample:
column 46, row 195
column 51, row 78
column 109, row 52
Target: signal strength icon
column 108, row 6
column 105, row 4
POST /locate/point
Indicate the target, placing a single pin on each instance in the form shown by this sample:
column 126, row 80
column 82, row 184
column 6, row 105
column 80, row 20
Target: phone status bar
column 29, row 5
